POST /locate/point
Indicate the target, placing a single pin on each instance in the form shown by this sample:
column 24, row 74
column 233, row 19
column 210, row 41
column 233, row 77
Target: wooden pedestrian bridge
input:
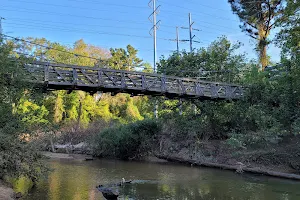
column 55, row 76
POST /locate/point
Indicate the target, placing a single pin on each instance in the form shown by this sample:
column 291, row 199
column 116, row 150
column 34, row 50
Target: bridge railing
column 70, row 77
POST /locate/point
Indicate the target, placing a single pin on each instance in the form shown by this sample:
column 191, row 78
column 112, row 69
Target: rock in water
column 109, row 193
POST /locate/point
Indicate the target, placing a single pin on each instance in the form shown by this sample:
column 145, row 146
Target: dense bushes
column 20, row 159
column 129, row 141
column 17, row 158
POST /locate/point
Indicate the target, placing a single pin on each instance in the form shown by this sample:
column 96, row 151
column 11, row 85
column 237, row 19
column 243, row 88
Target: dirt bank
column 6, row 193
column 281, row 160
column 65, row 156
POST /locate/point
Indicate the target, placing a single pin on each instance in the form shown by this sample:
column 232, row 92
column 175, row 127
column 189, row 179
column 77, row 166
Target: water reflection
column 76, row 180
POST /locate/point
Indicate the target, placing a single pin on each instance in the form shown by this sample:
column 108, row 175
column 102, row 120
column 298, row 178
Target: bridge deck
column 70, row 77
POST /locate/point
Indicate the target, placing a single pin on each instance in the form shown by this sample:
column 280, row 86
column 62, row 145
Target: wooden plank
column 75, row 77
column 229, row 92
column 89, row 78
column 100, row 77
column 199, row 90
column 123, row 83
column 144, row 82
column 163, row 84
column 214, row 91
column 46, row 74
column 181, row 86
column 133, row 81
column 59, row 73
column 110, row 78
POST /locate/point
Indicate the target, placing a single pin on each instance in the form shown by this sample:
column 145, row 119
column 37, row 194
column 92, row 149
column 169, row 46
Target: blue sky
column 116, row 23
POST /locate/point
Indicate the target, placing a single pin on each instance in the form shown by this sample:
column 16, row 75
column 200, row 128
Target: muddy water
column 76, row 180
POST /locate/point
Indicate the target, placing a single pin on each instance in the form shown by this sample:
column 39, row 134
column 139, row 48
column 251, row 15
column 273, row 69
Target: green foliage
column 206, row 63
column 258, row 18
column 125, row 141
column 289, row 36
column 21, row 184
column 124, row 59
column 32, row 114
column 79, row 107
column 18, row 158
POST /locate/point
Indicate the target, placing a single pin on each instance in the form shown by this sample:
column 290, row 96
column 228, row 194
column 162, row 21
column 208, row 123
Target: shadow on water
column 76, row 180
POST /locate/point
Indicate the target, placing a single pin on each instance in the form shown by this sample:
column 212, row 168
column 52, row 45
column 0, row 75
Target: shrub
column 20, row 159
column 254, row 139
column 129, row 141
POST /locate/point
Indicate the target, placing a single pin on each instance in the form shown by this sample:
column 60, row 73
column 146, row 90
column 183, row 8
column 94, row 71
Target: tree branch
column 269, row 20
column 251, row 25
column 253, row 37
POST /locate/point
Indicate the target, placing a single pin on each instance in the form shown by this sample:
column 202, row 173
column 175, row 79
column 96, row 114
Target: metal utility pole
column 191, row 30
column 1, row 31
column 177, row 42
column 177, row 39
column 191, row 40
column 154, row 29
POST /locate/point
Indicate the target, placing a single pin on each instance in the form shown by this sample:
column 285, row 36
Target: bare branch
column 269, row 20
column 253, row 37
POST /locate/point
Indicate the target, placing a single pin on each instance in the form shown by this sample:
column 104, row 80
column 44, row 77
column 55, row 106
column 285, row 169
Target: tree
column 147, row 67
column 124, row 59
column 212, row 63
column 17, row 158
column 218, row 62
column 258, row 18
column 289, row 36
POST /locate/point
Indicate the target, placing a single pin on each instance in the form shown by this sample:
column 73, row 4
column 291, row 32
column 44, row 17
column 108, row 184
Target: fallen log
column 237, row 168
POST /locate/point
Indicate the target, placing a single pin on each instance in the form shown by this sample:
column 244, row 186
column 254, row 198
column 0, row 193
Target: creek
column 77, row 180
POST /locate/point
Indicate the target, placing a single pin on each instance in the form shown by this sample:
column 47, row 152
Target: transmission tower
column 1, row 30
column 152, row 18
column 153, row 30
column 191, row 40
column 191, row 29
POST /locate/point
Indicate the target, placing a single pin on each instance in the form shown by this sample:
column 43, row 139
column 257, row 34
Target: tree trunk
column 237, row 168
column 52, row 145
column 79, row 116
column 262, row 47
column 264, row 60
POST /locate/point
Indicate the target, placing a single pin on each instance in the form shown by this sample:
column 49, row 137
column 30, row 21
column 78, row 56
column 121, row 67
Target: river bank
column 6, row 192
column 269, row 158
column 213, row 154
column 75, row 179
column 280, row 160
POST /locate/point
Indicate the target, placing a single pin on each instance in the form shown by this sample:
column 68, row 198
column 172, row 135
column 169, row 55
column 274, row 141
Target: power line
column 171, row 4
column 123, row 12
column 89, row 31
column 79, row 16
column 34, row 21
column 107, row 19
column 166, row 50
column 54, row 13
column 30, row 42
column 68, row 6
column 209, row 6
column 109, row 4
column 31, row 21
column 40, row 22
column 121, row 5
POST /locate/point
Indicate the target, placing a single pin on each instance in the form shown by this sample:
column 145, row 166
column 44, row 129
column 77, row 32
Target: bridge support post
column 46, row 74
column 180, row 106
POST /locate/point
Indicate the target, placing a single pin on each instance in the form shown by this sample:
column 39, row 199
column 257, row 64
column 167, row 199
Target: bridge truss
column 70, row 77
